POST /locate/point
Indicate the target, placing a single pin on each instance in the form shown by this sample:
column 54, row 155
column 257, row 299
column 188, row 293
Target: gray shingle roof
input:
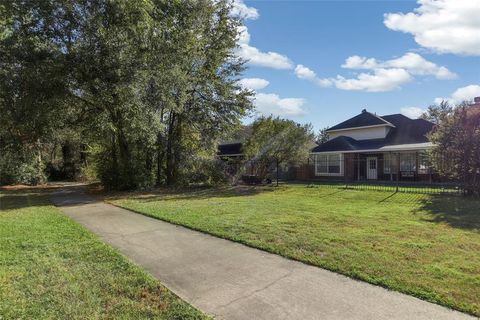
column 364, row 119
column 227, row 149
column 404, row 131
column 343, row 143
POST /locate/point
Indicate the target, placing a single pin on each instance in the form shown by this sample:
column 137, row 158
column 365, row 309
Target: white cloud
column 444, row 26
column 411, row 62
column 264, row 59
column 251, row 54
column 243, row 35
column 270, row 103
column 240, row 9
column 256, row 57
column 357, row 62
column 253, row 83
column 384, row 76
column 305, row 73
column 462, row 94
column 380, row 80
column 412, row 112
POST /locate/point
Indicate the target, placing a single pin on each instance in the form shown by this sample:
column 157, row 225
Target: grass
column 391, row 186
column 424, row 245
column 53, row 268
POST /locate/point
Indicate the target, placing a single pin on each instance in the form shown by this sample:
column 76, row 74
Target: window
column 423, row 164
column 408, row 162
column 334, row 163
column 328, row 164
column 321, row 163
column 389, row 163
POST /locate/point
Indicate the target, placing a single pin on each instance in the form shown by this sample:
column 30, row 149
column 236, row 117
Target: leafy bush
column 21, row 167
column 115, row 175
column 206, row 171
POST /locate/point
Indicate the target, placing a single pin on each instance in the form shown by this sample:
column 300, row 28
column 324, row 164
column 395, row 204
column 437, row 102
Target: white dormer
column 361, row 133
column 364, row 126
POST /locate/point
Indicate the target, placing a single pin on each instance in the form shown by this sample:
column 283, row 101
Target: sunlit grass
column 424, row 245
column 52, row 268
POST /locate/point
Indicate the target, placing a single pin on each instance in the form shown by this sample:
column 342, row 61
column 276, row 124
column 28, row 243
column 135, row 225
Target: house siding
column 349, row 165
column 362, row 133
column 355, row 168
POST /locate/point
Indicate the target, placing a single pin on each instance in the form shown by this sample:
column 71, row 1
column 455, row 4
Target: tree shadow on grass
column 18, row 199
column 39, row 196
column 456, row 211
column 387, row 197
column 403, row 198
column 167, row 194
column 330, row 194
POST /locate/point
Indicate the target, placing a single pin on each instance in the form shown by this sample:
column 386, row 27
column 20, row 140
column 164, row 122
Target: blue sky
column 402, row 56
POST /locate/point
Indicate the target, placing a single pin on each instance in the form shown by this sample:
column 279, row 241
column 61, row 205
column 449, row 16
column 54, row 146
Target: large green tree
column 457, row 147
column 276, row 141
column 436, row 113
column 196, row 92
column 148, row 85
column 33, row 87
column 322, row 136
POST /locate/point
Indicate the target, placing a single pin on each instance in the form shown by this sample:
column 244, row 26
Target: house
column 372, row 147
column 230, row 150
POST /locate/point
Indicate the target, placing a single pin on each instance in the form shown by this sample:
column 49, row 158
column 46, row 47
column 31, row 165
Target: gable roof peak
column 364, row 119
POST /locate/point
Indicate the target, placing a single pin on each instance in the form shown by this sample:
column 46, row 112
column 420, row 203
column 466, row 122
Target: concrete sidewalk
column 232, row 281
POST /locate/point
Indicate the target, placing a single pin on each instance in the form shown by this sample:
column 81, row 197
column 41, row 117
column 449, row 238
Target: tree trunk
column 170, row 171
column 123, row 149
column 177, row 151
column 83, row 154
column 277, row 171
column 68, row 160
column 114, row 172
column 148, row 160
column 160, row 156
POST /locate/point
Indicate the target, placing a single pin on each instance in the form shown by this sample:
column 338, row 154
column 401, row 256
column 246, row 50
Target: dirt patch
column 23, row 187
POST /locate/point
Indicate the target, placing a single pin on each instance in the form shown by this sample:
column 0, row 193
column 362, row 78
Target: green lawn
column 53, row 268
column 424, row 245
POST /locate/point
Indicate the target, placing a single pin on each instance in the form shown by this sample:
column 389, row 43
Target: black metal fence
column 407, row 172
column 404, row 187
column 397, row 172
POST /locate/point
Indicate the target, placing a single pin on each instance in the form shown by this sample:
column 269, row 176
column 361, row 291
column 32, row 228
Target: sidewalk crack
column 288, row 274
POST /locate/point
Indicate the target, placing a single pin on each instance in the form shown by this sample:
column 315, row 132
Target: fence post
column 277, row 172
column 307, row 175
column 398, row 171
column 358, row 166
column 345, row 167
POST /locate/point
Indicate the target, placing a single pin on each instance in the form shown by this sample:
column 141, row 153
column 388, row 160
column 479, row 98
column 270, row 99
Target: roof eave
column 391, row 148
column 388, row 124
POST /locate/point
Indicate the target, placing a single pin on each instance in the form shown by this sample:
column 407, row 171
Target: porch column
column 398, row 170
column 390, row 158
column 416, row 166
column 430, row 169
column 358, row 166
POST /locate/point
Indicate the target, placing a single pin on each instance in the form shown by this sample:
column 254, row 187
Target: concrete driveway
column 231, row 281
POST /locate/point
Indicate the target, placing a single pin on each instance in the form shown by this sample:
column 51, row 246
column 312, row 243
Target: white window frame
column 424, row 166
column 390, row 163
column 404, row 162
column 338, row 174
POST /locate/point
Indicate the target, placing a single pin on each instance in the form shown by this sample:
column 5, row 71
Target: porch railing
column 405, row 174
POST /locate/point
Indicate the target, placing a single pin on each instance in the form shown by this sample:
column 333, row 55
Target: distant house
column 372, row 147
column 230, row 150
